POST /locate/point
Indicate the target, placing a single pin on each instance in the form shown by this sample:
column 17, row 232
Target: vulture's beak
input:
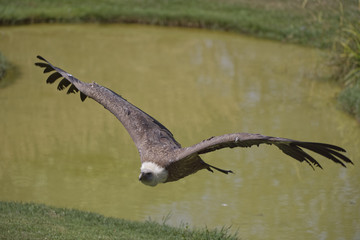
column 141, row 176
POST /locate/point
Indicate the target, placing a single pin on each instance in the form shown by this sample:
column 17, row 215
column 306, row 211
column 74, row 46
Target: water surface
column 62, row 152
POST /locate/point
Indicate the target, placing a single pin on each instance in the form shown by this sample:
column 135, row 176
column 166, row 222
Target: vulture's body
column 162, row 157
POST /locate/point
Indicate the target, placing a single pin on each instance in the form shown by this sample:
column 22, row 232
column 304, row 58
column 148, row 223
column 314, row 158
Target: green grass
column 349, row 99
column 313, row 23
column 36, row 221
column 346, row 60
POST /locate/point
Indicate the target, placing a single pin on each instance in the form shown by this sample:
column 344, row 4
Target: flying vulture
column 162, row 157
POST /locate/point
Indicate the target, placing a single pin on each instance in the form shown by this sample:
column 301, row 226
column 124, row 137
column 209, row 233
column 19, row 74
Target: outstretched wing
column 148, row 134
column 290, row 147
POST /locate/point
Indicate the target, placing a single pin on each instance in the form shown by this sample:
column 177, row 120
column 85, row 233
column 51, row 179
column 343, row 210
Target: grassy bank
column 313, row 23
column 346, row 60
column 34, row 221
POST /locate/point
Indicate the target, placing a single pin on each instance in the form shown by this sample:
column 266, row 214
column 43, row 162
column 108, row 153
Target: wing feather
column 326, row 152
column 82, row 96
column 149, row 135
column 46, row 66
column 64, row 83
column 293, row 148
column 53, row 77
column 72, row 89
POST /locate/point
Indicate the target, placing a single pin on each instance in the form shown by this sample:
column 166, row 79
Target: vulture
column 162, row 157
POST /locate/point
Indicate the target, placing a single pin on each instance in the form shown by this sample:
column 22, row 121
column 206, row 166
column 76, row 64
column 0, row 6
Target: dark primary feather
column 82, row 96
column 327, row 150
column 65, row 82
column 53, row 77
column 72, row 89
column 47, row 67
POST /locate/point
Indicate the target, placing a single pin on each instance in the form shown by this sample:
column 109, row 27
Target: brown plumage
column 162, row 157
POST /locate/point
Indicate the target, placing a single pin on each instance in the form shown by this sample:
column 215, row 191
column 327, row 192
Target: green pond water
column 56, row 150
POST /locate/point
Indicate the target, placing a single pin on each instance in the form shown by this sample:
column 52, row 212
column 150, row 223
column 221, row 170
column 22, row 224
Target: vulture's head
column 151, row 174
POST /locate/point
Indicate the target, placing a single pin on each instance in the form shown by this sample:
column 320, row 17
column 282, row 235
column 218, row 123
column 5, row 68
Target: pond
column 62, row 152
